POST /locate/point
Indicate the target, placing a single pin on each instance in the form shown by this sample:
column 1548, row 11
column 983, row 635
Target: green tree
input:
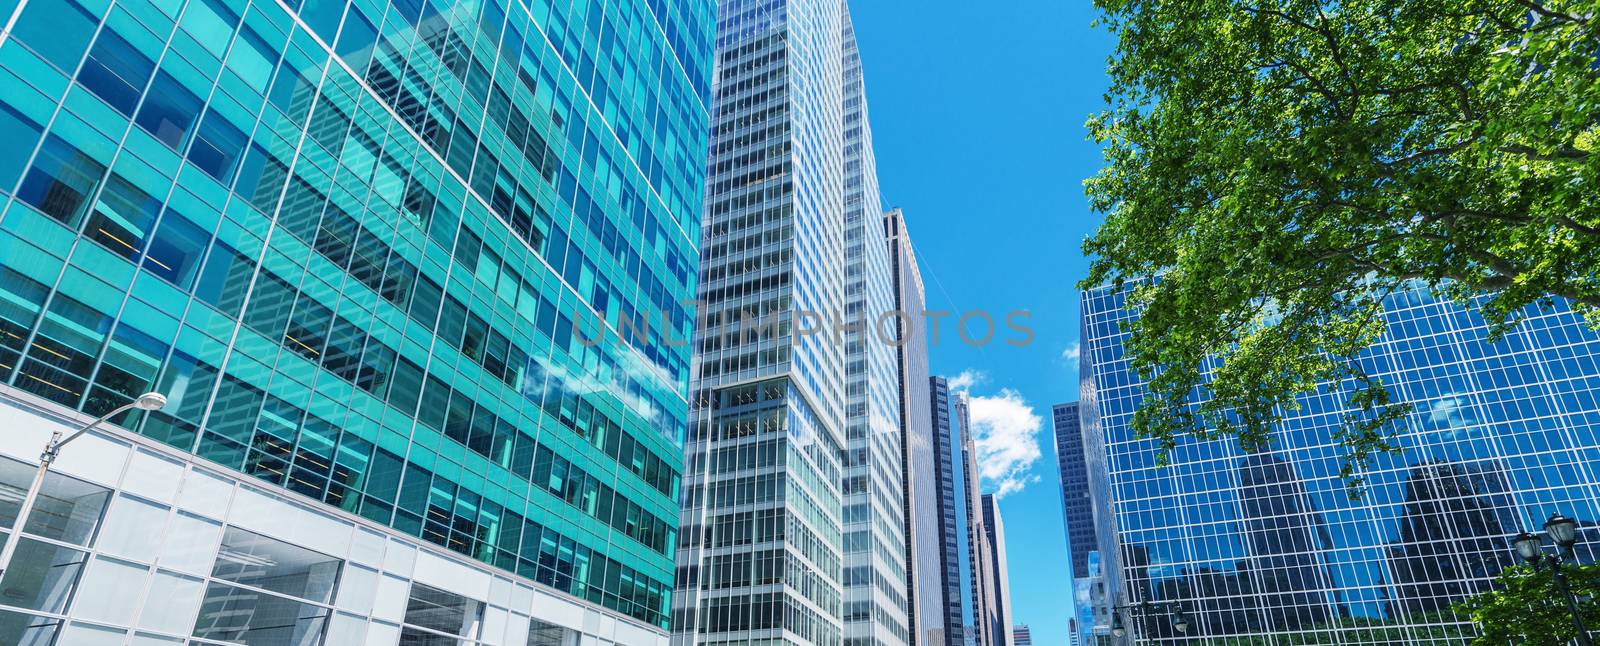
column 1526, row 609
column 1283, row 165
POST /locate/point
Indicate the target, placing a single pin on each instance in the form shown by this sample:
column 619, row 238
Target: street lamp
column 1180, row 622
column 147, row 402
column 1174, row 612
column 1564, row 532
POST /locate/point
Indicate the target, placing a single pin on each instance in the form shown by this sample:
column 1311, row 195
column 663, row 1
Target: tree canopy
column 1275, row 168
column 1527, row 609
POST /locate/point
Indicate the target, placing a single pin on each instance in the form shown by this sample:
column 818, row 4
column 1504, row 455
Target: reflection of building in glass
column 1456, row 523
column 1502, row 434
column 1285, row 538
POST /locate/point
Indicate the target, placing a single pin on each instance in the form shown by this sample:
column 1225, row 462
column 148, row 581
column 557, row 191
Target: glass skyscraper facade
column 986, row 628
column 956, row 566
column 994, row 529
column 1503, row 433
column 360, row 244
column 922, row 472
column 761, row 560
column 877, row 595
column 1077, row 510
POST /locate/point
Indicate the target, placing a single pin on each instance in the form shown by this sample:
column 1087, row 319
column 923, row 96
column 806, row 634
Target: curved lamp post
column 147, row 402
column 1563, row 532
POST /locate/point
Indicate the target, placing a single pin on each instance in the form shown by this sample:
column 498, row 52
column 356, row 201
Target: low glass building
column 362, row 246
column 1271, row 546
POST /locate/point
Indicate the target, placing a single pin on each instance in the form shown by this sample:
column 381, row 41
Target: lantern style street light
column 1174, row 612
column 1563, row 531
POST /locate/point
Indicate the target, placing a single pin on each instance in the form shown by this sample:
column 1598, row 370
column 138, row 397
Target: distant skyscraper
column 1272, row 545
column 1076, row 505
column 985, row 627
column 1021, row 636
column 921, row 468
column 999, row 573
column 956, row 574
column 876, row 576
column 356, row 245
column 761, row 548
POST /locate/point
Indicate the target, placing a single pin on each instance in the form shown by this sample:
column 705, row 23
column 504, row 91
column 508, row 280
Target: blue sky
column 978, row 109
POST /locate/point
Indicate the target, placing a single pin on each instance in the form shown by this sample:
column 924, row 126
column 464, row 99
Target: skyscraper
column 357, row 246
column 923, row 472
column 956, row 573
column 1077, row 509
column 876, row 577
column 1021, row 636
column 1272, row 544
column 999, row 572
column 762, row 551
column 985, row 629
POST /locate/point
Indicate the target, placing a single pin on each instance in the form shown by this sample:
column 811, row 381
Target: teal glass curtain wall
column 358, row 243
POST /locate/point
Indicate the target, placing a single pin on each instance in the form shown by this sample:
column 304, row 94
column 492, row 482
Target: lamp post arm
column 51, row 449
column 94, row 424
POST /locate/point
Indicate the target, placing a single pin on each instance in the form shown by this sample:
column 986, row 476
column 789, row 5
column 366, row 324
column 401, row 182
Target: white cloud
column 967, row 379
column 1072, row 353
column 1005, row 429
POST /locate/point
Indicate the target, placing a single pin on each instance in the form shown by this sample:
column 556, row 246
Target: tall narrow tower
column 876, row 568
column 761, row 555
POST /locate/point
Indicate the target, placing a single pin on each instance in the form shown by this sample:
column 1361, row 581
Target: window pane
column 86, row 635
column 41, row 576
column 122, row 218
column 116, row 71
column 173, row 600
column 67, row 509
column 61, row 180
column 27, row 630
column 442, row 611
column 20, row 134
column 226, row 279
column 543, row 634
column 132, row 529
column 413, row 637
column 217, row 147
column 169, row 111
column 258, row 561
column 175, row 253
column 107, row 586
column 237, row 615
column 58, row 31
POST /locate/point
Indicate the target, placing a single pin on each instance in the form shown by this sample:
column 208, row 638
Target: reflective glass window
column 61, row 180
column 257, row 561
column 169, row 111
column 116, row 72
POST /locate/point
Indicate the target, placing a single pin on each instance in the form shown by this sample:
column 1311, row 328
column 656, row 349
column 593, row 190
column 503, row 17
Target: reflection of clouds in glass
column 545, row 381
column 1453, row 413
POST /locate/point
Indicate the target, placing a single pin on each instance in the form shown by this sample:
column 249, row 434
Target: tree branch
column 1547, row 12
column 1560, row 154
